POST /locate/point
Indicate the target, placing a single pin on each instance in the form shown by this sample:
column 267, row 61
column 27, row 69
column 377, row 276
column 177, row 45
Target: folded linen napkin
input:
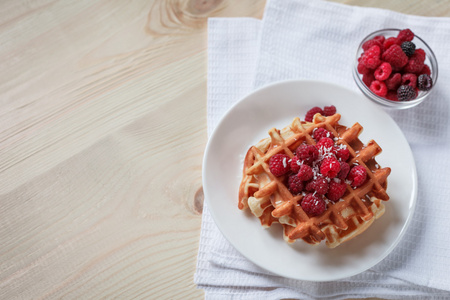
column 317, row 40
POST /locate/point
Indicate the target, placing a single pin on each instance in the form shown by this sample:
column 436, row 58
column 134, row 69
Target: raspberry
column 345, row 168
column 371, row 57
column 319, row 185
column 389, row 42
column 336, row 190
column 426, row 70
column 295, row 164
column 278, row 164
column 330, row 167
column 368, row 79
column 383, row 71
column 424, row 82
column 409, row 79
column 305, row 173
column 319, row 133
column 307, row 153
column 415, row 63
column 362, row 69
column 357, row 176
column 380, row 38
column 406, row 93
column 368, row 44
column 408, row 48
column 310, row 114
column 405, row 35
column 379, row 88
column 420, row 53
column 342, row 153
column 313, row 205
column 394, row 81
column 392, row 95
column 329, row 110
column 395, row 56
column 326, row 143
column 295, row 184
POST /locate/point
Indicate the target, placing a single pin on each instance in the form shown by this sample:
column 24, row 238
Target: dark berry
column 408, row 48
column 424, row 82
column 406, row 93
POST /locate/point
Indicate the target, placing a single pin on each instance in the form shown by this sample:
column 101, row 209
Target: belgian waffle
column 270, row 200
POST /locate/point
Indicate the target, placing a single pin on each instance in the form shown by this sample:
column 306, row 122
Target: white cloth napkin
column 317, row 40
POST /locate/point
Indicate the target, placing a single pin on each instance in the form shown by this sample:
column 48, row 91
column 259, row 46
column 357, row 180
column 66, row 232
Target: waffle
column 269, row 199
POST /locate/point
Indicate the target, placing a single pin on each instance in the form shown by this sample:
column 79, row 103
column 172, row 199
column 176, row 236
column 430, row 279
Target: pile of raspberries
column 393, row 68
column 318, row 172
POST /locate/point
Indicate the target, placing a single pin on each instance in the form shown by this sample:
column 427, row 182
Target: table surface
column 103, row 129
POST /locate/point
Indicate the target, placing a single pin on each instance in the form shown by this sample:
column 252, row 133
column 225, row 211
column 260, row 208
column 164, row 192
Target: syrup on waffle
column 271, row 201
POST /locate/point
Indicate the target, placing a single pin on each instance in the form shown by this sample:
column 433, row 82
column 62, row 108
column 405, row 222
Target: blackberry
column 408, row 48
column 406, row 93
column 424, row 82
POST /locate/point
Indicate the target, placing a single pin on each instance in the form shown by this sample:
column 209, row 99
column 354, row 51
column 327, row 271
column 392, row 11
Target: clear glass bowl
column 422, row 95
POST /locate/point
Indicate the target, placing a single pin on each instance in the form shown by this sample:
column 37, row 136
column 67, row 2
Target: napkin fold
column 318, row 40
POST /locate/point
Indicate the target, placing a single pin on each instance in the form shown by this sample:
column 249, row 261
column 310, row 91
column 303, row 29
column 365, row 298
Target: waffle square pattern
column 270, row 199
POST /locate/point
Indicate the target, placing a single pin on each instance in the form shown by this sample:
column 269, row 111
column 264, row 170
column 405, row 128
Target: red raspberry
column 420, row 53
column 342, row 152
column 415, row 63
column 409, row 79
column 279, row 164
column 345, row 168
column 310, row 114
column 362, row 69
column 394, row 81
column 368, row 79
column 371, row 57
column 319, row 133
column 392, row 95
column 389, row 42
column 313, row 205
column 380, row 38
column 368, row 44
column 329, row 110
column 336, row 190
column 379, row 88
column 395, row 56
column 295, row 184
column 325, row 143
column 305, row 173
column 295, row 164
column 405, row 35
column 426, row 70
column 307, row 153
column 383, row 71
column 330, row 167
column 319, row 185
column 357, row 176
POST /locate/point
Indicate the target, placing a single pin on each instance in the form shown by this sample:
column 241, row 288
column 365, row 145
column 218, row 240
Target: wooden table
column 103, row 127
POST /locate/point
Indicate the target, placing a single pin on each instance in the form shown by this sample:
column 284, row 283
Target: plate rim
column 411, row 208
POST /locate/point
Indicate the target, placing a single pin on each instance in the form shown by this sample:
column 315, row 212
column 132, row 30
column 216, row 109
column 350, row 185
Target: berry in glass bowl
column 395, row 68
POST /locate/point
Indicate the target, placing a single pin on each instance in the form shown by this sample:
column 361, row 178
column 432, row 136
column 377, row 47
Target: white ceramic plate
column 247, row 122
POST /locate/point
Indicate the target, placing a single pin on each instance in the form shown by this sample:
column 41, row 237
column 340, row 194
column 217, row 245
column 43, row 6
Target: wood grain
column 103, row 128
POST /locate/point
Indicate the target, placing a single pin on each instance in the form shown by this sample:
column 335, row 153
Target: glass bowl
column 422, row 95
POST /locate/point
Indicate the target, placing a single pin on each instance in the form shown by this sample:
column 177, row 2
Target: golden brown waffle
column 270, row 200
